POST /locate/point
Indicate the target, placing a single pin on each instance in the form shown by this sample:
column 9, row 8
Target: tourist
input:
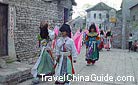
column 130, row 41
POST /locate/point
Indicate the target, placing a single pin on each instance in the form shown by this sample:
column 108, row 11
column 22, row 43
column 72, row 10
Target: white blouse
column 69, row 45
column 51, row 34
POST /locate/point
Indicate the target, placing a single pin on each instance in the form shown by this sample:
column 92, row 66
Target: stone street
column 117, row 63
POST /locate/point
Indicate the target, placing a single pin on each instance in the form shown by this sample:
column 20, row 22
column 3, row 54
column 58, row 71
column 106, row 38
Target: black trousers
column 135, row 48
column 130, row 45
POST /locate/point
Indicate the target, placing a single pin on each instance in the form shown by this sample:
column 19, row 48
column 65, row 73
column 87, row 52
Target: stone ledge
column 2, row 63
column 15, row 73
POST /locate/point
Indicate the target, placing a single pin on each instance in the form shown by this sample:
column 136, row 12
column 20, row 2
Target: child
column 92, row 52
column 135, row 45
column 66, row 54
column 44, row 64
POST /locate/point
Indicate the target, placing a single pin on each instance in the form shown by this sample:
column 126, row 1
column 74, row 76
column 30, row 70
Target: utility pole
column 124, row 25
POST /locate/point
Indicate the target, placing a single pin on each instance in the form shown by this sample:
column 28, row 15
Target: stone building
column 78, row 23
column 134, row 21
column 126, row 29
column 117, row 31
column 102, row 15
column 19, row 24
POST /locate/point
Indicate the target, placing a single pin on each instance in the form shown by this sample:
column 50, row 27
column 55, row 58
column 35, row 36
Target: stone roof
column 133, row 6
column 119, row 11
column 73, row 2
column 100, row 6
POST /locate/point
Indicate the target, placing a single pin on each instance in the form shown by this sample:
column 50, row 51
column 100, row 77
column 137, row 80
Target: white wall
column 90, row 17
column 112, row 13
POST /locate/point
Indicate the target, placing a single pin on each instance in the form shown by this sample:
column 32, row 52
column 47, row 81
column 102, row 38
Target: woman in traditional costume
column 108, row 40
column 45, row 62
column 66, row 54
column 92, row 42
column 101, row 46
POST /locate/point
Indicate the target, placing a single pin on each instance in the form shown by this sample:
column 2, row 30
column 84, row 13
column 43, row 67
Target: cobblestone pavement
column 118, row 64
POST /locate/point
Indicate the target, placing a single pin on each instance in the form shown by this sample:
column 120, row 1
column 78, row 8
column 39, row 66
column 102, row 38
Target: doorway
column 3, row 29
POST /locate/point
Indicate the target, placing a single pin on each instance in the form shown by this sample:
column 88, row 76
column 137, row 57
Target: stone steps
column 15, row 73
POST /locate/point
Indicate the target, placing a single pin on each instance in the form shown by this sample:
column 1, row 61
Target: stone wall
column 134, row 23
column 117, row 37
column 117, row 31
column 28, row 15
column 77, row 23
column 64, row 4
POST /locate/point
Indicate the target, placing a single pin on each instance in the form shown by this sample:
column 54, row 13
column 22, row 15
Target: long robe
column 45, row 62
column 66, row 52
column 108, row 40
column 101, row 42
column 92, row 42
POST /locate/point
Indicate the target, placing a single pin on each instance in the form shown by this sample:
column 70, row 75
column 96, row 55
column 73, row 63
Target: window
column 107, row 15
column 100, row 16
column 134, row 18
column 74, row 25
column 89, row 15
column 115, row 24
column 94, row 15
column 100, row 26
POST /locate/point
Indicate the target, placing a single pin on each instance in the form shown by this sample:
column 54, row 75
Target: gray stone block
column 3, row 63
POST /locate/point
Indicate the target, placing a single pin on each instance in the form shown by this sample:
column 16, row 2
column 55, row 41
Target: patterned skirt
column 44, row 64
column 64, row 68
column 92, row 52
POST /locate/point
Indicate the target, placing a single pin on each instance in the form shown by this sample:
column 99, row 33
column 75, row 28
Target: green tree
column 86, row 6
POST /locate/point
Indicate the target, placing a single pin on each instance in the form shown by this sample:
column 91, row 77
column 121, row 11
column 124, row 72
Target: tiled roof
column 133, row 6
column 100, row 6
column 73, row 2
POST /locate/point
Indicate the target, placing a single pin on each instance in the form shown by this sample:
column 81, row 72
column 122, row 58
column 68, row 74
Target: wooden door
column 3, row 30
column 66, row 15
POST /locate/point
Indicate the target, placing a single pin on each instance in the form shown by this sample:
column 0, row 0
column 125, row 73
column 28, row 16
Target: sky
column 79, row 9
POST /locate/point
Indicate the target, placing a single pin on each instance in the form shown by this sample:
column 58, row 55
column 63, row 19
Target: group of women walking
column 65, row 54
column 106, row 40
column 61, row 62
